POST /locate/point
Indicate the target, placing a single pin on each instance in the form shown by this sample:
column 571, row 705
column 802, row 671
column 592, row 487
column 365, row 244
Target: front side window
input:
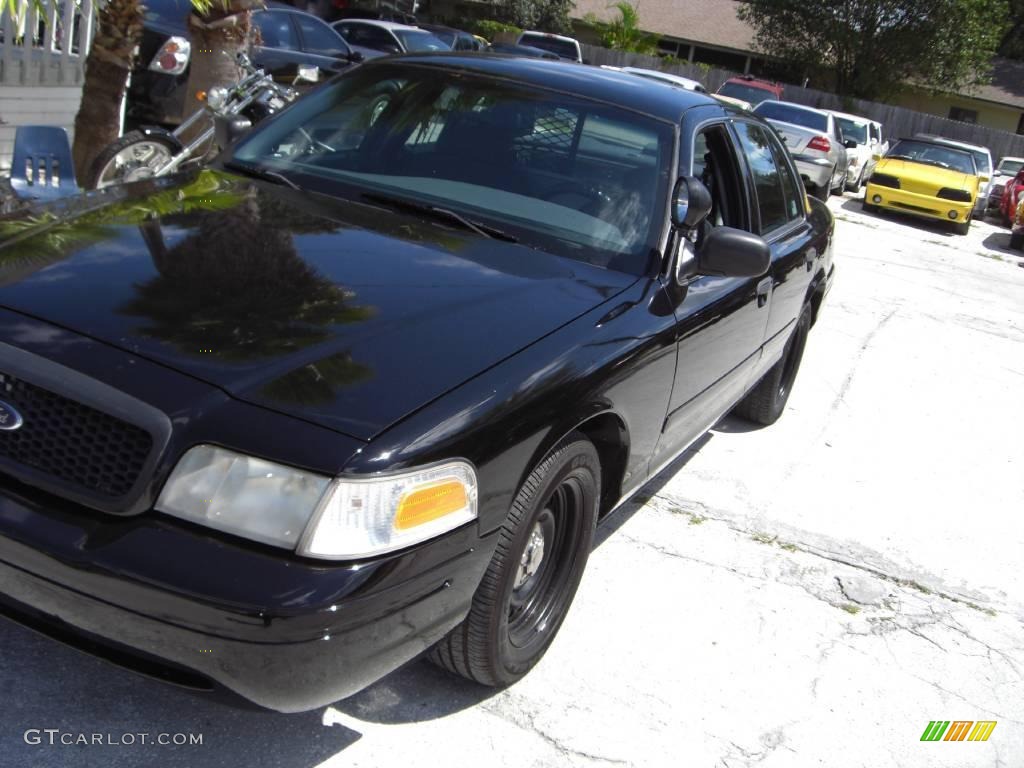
column 573, row 177
column 768, row 181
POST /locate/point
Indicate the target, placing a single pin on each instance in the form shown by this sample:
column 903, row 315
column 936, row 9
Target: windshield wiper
column 441, row 214
column 261, row 173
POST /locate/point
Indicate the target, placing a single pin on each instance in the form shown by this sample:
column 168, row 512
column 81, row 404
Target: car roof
column 549, row 34
column 621, row 88
column 813, row 110
column 951, row 142
column 1011, row 158
column 848, row 116
column 667, row 77
column 389, row 25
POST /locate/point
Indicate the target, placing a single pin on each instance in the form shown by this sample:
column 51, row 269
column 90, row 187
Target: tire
column 105, row 171
column 856, row 184
column 836, row 189
column 822, row 193
column 1017, row 241
column 963, row 228
column 515, row 614
column 765, row 403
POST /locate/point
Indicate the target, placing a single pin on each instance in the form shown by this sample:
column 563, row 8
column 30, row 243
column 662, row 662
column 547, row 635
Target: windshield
column 1010, row 167
column 934, row 154
column 562, row 48
column 167, row 11
column 420, row 40
column 853, row 130
column 747, row 93
column 573, row 177
column 787, row 113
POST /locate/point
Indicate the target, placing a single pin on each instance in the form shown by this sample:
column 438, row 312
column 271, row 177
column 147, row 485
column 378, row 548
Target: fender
column 163, row 133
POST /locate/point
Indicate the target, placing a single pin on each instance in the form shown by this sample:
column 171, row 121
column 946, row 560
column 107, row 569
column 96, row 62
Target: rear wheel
column 836, row 188
column 532, row 578
column 766, row 401
column 856, row 184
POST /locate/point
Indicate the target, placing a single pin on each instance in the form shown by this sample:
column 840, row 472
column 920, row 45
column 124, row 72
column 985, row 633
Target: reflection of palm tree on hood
column 236, row 286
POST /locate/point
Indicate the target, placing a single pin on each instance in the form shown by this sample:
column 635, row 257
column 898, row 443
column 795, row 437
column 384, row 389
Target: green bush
column 490, row 28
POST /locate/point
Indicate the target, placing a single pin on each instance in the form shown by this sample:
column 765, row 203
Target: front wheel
column 856, row 184
column 133, row 157
column 1017, row 241
column 533, row 575
column 963, row 227
column 766, row 401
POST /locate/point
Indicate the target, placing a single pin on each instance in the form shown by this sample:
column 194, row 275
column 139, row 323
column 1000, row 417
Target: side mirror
column 691, row 202
column 227, row 128
column 728, row 252
column 876, row 156
column 850, row 144
column 390, row 48
column 996, row 172
column 310, row 74
column 355, row 57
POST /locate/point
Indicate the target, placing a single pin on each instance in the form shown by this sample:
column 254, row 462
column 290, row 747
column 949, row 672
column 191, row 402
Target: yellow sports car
column 927, row 179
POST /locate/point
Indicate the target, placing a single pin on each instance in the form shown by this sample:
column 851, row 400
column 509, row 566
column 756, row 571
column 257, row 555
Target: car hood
column 342, row 314
column 922, row 174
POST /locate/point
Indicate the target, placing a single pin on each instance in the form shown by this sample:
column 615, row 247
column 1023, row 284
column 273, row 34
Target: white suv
column 560, row 45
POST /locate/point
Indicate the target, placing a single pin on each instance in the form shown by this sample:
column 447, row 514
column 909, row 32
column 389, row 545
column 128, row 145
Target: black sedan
column 289, row 39
column 363, row 390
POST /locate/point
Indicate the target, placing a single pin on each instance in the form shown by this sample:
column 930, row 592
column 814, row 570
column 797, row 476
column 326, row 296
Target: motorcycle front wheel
column 132, row 157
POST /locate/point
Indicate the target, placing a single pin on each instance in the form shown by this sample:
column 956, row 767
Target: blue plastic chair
column 42, row 168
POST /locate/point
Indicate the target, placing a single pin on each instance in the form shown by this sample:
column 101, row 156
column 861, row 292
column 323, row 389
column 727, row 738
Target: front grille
column 78, row 446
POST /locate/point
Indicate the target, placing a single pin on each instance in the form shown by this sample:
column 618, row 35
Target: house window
column 963, row 115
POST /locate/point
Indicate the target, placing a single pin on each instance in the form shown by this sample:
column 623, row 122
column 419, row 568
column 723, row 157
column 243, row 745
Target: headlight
column 960, row 195
column 343, row 518
column 217, row 97
column 884, row 180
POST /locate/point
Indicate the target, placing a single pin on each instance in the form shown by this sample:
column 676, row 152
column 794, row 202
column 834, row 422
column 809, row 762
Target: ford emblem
column 10, row 419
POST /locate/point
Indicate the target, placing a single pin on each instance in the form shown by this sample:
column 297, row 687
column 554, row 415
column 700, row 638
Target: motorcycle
column 151, row 152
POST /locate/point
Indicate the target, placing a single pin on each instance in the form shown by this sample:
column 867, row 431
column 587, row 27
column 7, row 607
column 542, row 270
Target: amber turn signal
column 429, row 502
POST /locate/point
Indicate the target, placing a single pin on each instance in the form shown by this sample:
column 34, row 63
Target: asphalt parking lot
column 810, row 594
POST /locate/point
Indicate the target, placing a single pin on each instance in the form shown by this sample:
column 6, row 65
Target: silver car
column 816, row 142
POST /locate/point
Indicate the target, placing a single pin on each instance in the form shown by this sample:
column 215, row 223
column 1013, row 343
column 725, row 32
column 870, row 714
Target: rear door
column 782, row 222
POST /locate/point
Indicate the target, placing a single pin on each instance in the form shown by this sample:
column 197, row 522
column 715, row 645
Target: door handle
column 763, row 289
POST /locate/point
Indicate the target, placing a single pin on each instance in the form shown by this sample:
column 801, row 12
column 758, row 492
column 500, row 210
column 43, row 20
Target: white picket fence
column 42, row 66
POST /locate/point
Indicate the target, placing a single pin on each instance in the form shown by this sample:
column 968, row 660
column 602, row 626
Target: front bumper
column 814, row 170
column 925, row 206
column 182, row 604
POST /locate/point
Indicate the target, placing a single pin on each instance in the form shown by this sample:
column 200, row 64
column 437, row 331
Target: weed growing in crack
column 850, row 608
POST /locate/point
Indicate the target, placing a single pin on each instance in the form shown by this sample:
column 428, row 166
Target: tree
column 875, row 47
column 219, row 30
column 546, row 15
column 1013, row 41
column 624, row 33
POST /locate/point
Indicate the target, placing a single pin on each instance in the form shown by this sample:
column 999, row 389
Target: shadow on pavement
column 1000, row 242
column 47, row 685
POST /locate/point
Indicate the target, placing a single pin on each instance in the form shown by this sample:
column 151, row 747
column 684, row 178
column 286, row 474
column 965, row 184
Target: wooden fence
column 896, row 121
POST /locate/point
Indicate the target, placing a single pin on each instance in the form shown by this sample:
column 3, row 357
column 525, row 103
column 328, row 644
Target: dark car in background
column 387, row 37
column 289, row 38
column 457, row 39
column 361, row 391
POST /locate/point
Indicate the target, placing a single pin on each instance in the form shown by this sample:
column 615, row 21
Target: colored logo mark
column 958, row 730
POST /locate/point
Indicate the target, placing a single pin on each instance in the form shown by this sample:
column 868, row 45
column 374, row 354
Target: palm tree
column 624, row 33
column 218, row 30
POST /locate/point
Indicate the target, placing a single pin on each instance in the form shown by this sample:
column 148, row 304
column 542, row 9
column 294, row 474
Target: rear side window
column 319, row 38
column 768, row 180
column 276, row 30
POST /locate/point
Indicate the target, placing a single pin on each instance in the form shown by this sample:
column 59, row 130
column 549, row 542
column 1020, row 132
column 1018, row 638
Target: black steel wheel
column 532, row 578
